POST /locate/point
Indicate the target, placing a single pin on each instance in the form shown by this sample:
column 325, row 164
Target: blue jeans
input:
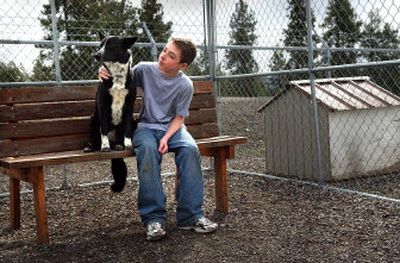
column 151, row 196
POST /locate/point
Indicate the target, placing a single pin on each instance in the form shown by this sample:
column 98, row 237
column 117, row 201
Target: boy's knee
column 190, row 150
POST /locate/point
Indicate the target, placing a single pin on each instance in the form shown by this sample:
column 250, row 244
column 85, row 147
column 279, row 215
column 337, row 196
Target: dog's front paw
column 88, row 149
column 118, row 147
column 106, row 149
column 128, row 143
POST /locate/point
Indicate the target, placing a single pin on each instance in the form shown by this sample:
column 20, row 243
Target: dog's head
column 114, row 49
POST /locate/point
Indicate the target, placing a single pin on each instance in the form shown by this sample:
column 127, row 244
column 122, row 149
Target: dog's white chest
column 118, row 100
column 118, row 92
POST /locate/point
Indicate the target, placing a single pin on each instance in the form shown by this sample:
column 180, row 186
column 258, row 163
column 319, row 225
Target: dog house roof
column 339, row 94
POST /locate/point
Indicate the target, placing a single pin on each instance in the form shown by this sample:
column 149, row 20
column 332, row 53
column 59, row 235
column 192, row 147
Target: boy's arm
column 175, row 125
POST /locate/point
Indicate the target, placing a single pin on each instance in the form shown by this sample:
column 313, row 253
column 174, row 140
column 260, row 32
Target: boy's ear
column 101, row 35
column 184, row 66
column 128, row 42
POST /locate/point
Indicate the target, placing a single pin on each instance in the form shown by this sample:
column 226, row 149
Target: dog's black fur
column 112, row 124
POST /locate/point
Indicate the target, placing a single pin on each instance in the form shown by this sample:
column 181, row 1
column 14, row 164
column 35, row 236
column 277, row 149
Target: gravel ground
column 269, row 220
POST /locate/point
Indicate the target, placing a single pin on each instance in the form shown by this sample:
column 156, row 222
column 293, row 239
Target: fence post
column 56, row 47
column 153, row 49
column 212, row 52
column 313, row 98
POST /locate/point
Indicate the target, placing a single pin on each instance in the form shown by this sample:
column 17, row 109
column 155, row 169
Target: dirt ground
column 269, row 220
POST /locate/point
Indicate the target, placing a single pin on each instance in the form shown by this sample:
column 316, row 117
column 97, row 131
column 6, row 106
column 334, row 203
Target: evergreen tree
column 80, row 20
column 377, row 34
column 241, row 61
column 40, row 71
column 9, row 72
column 342, row 30
column 152, row 14
column 296, row 34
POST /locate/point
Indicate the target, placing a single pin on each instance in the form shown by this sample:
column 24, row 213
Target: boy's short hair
column 187, row 48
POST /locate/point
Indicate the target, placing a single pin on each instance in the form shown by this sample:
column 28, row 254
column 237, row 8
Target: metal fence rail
column 253, row 51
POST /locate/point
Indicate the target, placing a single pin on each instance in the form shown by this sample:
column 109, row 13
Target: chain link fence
column 256, row 52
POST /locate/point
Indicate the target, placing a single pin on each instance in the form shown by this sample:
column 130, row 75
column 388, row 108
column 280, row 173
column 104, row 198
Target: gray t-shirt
column 163, row 97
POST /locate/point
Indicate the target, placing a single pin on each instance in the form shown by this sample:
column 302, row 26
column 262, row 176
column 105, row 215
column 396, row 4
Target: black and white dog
column 112, row 124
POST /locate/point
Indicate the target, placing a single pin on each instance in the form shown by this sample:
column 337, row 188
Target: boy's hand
column 163, row 146
column 103, row 73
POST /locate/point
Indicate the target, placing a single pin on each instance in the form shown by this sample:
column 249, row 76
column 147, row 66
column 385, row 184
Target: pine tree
column 377, row 34
column 296, row 34
column 9, row 72
column 241, row 61
column 152, row 14
column 342, row 30
column 40, row 71
column 243, row 25
column 80, row 20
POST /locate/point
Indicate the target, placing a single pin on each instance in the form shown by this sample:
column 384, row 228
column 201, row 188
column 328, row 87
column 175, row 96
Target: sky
column 19, row 21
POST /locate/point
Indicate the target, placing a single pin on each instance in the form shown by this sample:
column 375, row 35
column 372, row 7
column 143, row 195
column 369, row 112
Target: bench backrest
column 45, row 119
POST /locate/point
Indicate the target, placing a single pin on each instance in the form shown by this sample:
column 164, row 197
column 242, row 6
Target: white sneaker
column 155, row 231
column 202, row 225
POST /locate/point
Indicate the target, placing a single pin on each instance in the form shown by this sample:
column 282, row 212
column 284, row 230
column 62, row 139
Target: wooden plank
column 7, row 130
column 6, row 113
column 201, row 116
column 54, row 158
column 221, row 141
column 48, row 110
column 203, row 131
column 42, row 128
column 202, row 87
column 52, row 144
column 202, row 101
column 7, row 148
column 46, row 93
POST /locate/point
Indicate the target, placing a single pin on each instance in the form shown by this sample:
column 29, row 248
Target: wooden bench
column 49, row 125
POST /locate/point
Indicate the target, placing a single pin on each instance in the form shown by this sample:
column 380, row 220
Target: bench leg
column 221, row 180
column 37, row 179
column 15, row 203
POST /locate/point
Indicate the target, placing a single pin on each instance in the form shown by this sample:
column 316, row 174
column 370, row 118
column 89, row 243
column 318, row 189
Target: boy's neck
column 170, row 74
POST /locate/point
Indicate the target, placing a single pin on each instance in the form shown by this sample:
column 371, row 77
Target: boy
column 167, row 93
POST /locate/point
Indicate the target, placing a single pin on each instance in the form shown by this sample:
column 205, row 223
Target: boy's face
column 169, row 59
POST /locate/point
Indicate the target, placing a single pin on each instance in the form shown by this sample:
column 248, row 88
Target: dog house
column 359, row 129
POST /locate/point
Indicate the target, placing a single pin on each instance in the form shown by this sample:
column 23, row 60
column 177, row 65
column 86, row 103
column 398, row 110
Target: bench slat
column 34, row 111
column 221, row 141
column 8, row 148
column 61, row 158
column 201, row 116
column 202, row 101
column 6, row 113
column 46, row 94
column 203, row 130
column 44, row 128
column 52, row 144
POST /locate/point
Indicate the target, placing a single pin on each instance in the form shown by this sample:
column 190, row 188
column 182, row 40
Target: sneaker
column 202, row 225
column 155, row 231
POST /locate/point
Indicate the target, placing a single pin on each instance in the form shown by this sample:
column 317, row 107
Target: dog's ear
column 101, row 35
column 128, row 42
